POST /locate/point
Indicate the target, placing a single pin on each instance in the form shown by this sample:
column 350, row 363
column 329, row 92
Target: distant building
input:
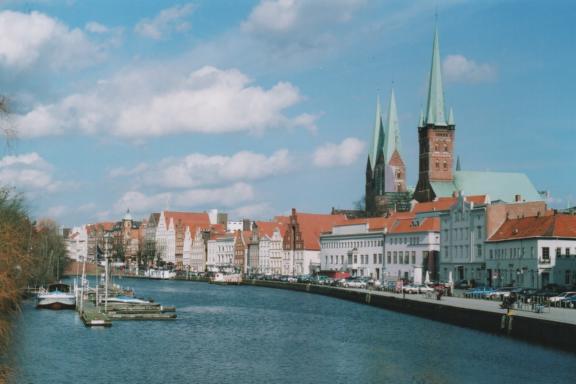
column 386, row 190
column 411, row 247
column 436, row 135
column 171, row 235
column 466, row 225
column 99, row 240
column 221, row 252
column 301, row 243
column 533, row 252
column 356, row 247
column 77, row 243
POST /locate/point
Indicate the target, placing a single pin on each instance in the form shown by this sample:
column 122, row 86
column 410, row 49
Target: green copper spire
column 421, row 120
column 377, row 136
column 451, row 117
column 458, row 164
column 392, row 130
column 435, row 113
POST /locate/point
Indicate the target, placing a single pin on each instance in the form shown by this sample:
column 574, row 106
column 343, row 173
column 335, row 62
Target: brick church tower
column 435, row 135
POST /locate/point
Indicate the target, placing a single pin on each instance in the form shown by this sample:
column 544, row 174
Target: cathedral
column 438, row 175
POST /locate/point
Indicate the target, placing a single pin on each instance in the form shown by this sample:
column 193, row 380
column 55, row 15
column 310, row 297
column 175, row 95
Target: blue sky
column 255, row 107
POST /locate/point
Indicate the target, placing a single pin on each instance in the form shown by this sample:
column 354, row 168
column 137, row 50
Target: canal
column 245, row 334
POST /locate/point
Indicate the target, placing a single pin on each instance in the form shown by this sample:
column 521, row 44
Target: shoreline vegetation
column 31, row 255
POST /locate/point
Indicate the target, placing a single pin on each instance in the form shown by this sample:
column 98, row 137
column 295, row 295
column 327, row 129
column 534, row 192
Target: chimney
column 517, row 198
column 455, row 194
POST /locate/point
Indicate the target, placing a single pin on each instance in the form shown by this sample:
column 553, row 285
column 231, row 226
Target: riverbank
column 556, row 328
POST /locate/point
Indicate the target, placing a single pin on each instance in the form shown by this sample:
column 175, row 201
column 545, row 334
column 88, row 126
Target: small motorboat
column 57, row 296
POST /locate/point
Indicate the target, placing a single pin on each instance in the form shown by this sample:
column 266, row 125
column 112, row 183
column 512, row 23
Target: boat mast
column 106, row 272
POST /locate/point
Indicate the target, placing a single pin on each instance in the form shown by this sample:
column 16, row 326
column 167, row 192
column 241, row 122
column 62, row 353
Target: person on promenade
column 439, row 293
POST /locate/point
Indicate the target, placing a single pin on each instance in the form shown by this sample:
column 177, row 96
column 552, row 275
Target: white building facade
column 354, row 249
column 533, row 252
column 220, row 256
column 411, row 246
column 77, row 243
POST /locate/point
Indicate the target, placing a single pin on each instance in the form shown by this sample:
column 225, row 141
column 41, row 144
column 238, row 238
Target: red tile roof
column 445, row 203
column 374, row 223
column 410, row 225
column 105, row 225
column 267, row 228
column 312, row 225
column 539, row 226
column 193, row 220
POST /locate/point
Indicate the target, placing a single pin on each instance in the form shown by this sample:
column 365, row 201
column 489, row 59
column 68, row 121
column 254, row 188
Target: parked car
column 304, row 278
column 501, row 293
column 560, row 297
column 411, row 288
column 479, row 292
column 355, row 283
column 569, row 301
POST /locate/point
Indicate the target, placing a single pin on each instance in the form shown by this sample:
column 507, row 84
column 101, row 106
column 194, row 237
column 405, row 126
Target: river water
column 244, row 334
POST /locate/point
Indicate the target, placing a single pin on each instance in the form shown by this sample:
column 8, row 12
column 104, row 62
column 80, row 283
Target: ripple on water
column 256, row 335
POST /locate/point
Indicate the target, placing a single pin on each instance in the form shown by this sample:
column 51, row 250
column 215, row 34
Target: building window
column 558, row 252
column 395, row 258
column 567, row 251
column 400, row 257
column 380, row 258
column 413, row 257
column 445, row 165
column 406, row 258
column 546, row 254
column 355, row 259
column 375, row 258
column 388, row 258
column 437, row 165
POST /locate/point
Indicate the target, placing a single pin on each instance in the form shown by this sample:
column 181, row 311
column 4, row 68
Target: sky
column 253, row 107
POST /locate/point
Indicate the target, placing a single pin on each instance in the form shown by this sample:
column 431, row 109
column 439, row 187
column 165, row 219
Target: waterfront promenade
column 561, row 315
column 556, row 327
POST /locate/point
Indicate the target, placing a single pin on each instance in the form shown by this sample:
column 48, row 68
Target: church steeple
column 458, row 168
column 435, row 134
column 377, row 136
column 392, row 130
column 451, row 117
column 435, row 112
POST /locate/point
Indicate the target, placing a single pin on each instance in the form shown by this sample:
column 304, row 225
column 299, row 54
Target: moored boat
column 223, row 278
column 58, row 296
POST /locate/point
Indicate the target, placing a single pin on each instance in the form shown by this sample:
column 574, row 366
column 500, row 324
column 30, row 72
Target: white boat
column 127, row 300
column 58, row 296
column 223, row 278
column 160, row 274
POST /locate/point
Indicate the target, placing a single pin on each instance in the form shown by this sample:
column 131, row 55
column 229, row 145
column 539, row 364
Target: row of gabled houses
column 451, row 238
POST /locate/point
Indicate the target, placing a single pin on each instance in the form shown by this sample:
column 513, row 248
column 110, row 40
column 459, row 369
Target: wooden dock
column 92, row 317
column 95, row 316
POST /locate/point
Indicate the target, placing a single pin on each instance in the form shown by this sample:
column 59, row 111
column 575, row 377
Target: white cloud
column 198, row 169
column 155, row 102
column 95, row 27
column 34, row 39
column 56, row 211
column 229, row 196
column 253, row 211
column 167, row 21
column 458, row 68
column 29, row 173
column 333, row 155
column 288, row 16
column 124, row 172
